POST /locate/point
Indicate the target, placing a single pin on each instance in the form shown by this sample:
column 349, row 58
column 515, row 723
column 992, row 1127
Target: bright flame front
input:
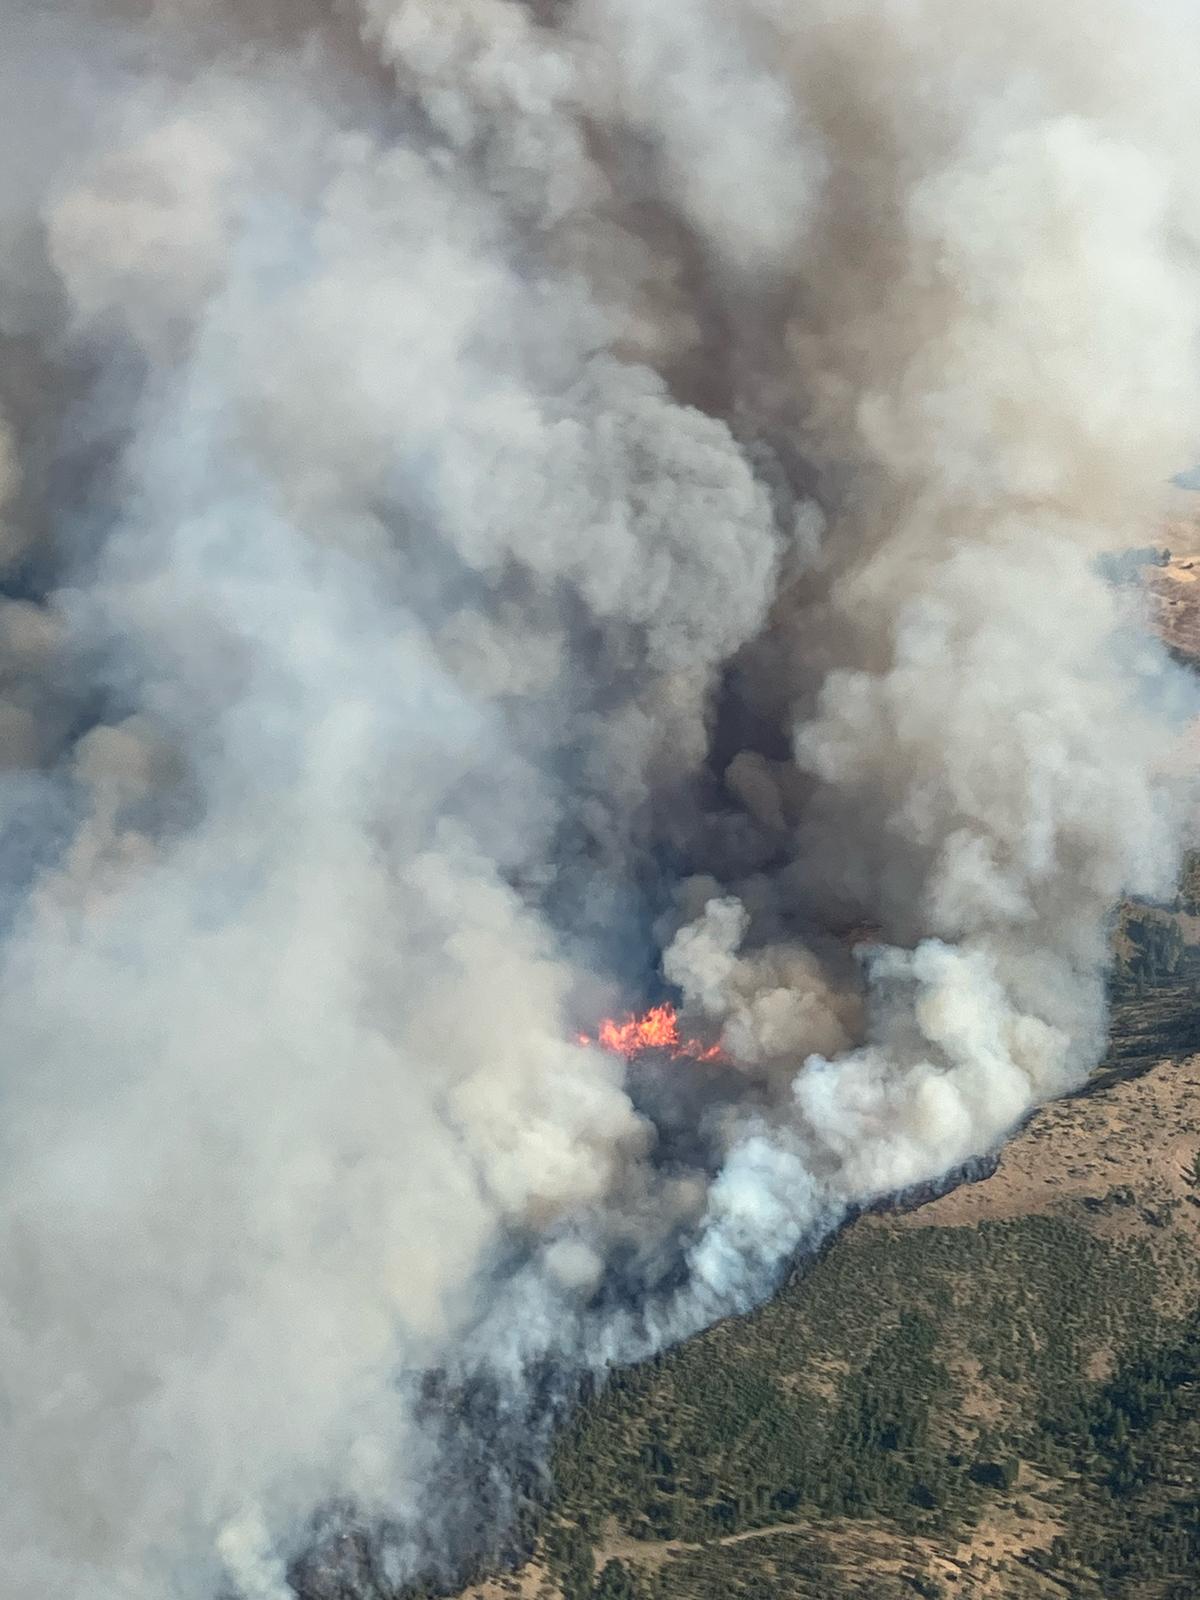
column 657, row 1029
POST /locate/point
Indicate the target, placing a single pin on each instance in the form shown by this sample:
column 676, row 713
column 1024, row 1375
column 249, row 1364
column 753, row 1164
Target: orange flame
column 658, row 1029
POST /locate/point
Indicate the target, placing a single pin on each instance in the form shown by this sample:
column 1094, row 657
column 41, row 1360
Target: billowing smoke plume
column 505, row 507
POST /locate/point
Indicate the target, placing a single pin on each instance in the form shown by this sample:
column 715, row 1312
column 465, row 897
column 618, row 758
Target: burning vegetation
column 656, row 1029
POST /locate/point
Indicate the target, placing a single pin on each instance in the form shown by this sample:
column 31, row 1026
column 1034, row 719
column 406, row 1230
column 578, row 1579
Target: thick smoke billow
column 507, row 511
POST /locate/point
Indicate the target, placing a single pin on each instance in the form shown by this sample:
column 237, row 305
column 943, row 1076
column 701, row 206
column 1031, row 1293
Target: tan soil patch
column 532, row 1582
column 1141, row 1135
column 1173, row 592
column 977, row 1400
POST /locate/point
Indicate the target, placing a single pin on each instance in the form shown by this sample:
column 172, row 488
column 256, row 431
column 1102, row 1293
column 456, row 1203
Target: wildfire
column 658, row 1029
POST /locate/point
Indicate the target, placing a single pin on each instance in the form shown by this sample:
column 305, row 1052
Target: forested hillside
column 997, row 1393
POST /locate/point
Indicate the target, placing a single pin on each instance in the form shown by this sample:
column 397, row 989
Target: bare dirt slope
column 1175, row 603
column 1141, row 1134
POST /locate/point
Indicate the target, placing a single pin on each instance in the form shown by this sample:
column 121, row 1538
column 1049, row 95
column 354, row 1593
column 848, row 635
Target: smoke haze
column 504, row 506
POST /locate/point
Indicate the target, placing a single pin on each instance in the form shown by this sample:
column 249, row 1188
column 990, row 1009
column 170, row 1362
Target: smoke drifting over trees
column 504, row 505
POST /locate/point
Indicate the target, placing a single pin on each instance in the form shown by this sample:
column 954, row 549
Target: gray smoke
column 503, row 506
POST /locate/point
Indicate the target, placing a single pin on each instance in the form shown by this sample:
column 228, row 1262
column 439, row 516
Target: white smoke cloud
column 474, row 490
